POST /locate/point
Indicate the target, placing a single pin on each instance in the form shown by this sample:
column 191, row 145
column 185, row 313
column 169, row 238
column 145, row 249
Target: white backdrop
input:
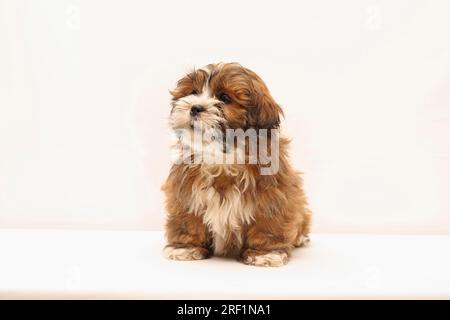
column 84, row 101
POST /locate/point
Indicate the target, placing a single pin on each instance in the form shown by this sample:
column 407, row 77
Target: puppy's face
column 223, row 96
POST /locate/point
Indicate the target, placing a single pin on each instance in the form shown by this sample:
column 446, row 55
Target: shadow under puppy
column 231, row 208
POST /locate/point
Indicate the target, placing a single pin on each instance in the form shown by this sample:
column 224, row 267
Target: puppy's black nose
column 196, row 110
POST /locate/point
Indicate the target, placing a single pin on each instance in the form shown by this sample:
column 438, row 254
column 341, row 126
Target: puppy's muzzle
column 196, row 109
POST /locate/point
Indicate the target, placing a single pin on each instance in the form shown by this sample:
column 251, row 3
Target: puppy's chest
column 221, row 200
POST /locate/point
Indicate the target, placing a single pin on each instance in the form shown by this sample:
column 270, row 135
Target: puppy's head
column 225, row 96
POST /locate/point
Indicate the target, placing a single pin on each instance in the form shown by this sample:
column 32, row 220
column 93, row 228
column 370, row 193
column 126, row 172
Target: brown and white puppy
column 231, row 209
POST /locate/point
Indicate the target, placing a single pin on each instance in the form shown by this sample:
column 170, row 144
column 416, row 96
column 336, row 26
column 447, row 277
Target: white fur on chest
column 223, row 213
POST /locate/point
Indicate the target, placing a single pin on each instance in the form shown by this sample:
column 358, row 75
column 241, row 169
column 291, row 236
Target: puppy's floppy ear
column 191, row 82
column 183, row 87
column 266, row 112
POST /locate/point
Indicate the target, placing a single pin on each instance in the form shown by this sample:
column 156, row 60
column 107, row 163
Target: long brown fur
column 271, row 215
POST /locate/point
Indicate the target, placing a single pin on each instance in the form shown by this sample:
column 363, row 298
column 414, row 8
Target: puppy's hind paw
column 185, row 253
column 302, row 241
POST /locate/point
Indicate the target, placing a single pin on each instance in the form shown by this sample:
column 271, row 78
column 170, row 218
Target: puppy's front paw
column 276, row 258
column 185, row 253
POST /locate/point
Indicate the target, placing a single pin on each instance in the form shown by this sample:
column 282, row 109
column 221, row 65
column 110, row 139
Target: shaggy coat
column 232, row 209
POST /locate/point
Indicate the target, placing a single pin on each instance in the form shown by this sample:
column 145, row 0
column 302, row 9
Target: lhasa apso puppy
column 232, row 190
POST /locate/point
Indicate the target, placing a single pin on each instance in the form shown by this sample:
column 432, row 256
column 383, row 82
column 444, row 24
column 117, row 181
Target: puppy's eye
column 224, row 98
column 193, row 92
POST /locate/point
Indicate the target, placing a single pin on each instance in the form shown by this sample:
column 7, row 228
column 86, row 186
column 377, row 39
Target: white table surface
column 129, row 264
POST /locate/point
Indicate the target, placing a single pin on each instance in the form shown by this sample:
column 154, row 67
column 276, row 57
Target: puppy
column 251, row 207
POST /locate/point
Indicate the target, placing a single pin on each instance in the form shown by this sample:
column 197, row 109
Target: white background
column 365, row 86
